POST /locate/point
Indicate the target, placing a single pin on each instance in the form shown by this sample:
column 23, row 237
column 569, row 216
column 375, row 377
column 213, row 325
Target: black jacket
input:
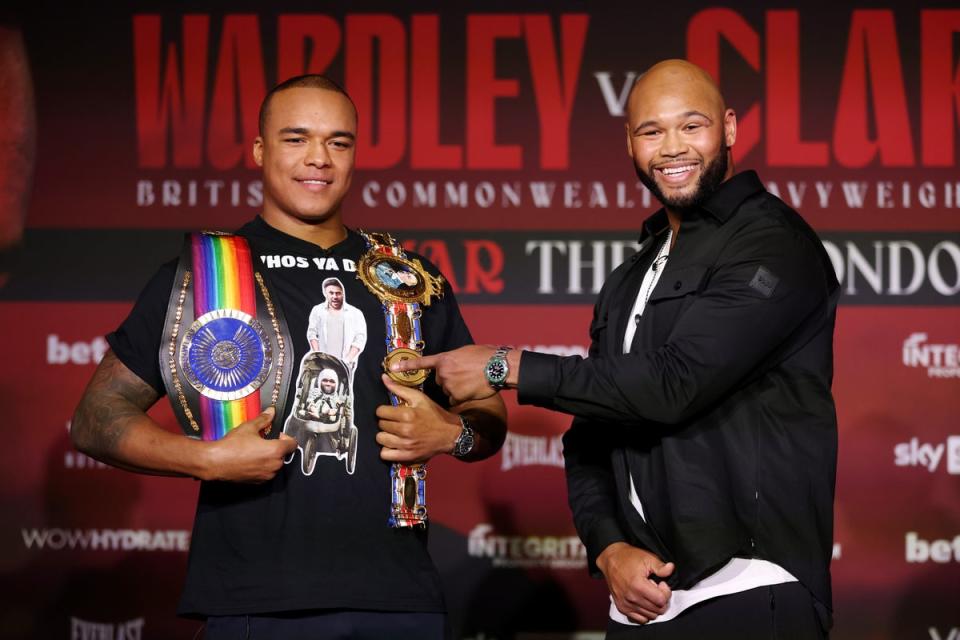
column 722, row 410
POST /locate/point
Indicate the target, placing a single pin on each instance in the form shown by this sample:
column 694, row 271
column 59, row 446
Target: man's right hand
column 243, row 455
column 628, row 572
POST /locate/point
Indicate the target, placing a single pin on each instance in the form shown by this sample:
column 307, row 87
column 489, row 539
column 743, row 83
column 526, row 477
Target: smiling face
column 679, row 134
column 306, row 152
column 328, row 381
column 327, row 385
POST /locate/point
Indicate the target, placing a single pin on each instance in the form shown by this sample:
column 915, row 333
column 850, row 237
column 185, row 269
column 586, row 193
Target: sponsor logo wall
column 491, row 142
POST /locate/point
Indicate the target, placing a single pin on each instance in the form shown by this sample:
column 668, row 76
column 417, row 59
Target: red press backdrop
column 491, row 141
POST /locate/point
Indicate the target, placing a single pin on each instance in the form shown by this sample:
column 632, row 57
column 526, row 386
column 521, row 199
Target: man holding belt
column 295, row 551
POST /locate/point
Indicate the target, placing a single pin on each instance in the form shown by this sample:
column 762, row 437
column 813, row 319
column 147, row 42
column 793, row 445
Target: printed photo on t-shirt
column 321, row 420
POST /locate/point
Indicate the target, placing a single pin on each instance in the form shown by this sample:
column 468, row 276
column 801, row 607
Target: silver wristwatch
column 497, row 369
column 465, row 441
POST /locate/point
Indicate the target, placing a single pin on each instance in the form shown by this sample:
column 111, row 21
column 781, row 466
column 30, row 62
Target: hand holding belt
column 403, row 287
column 223, row 339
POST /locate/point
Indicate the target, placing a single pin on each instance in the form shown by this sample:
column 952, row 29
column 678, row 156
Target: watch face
column 496, row 370
column 464, row 444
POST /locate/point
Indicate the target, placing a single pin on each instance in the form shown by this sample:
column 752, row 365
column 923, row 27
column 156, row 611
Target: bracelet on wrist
column 497, row 368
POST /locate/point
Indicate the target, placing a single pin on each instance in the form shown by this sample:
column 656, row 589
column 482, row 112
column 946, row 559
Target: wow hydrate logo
column 106, row 540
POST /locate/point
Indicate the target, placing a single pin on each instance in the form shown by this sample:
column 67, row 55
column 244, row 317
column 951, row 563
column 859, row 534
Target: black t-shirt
column 318, row 540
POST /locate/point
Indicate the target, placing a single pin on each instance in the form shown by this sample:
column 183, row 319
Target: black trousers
column 333, row 625
column 779, row 612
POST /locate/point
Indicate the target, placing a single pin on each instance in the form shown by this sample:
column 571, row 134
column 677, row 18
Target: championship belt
column 403, row 287
column 225, row 354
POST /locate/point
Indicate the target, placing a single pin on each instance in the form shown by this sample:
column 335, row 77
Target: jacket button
column 677, row 285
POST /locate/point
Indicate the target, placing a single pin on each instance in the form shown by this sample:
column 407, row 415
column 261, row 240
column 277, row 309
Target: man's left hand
column 460, row 373
column 416, row 430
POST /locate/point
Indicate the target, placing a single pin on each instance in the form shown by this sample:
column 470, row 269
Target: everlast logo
column 86, row 630
column 524, row 451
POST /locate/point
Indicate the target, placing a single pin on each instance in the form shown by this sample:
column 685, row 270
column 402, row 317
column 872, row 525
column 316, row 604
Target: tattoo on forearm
column 114, row 398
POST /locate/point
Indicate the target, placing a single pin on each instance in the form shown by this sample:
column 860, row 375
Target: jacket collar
column 721, row 205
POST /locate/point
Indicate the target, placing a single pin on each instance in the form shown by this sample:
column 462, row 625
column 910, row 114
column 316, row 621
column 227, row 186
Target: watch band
column 465, row 441
column 404, row 288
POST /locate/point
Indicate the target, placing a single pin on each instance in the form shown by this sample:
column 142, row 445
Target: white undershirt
column 650, row 279
column 739, row 574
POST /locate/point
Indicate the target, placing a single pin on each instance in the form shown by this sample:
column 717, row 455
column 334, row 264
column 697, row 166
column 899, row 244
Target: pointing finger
column 411, row 364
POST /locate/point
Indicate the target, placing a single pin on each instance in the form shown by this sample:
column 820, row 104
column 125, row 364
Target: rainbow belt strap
column 224, row 280
column 216, row 365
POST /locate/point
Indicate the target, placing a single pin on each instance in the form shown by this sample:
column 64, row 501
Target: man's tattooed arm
column 112, row 408
column 111, row 425
column 114, row 399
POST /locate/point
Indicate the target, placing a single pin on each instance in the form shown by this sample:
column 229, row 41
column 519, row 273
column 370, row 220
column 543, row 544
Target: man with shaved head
column 702, row 457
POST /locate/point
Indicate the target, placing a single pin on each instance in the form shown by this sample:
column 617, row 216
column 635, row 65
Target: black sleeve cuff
column 538, row 378
column 602, row 535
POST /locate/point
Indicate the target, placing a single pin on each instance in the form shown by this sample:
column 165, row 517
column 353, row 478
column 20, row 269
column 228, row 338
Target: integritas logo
column 106, row 539
column 940, row 360
column 939, row 551
column 556, row 552
column 527, row 451
column 86, row 630
column 928, row 456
